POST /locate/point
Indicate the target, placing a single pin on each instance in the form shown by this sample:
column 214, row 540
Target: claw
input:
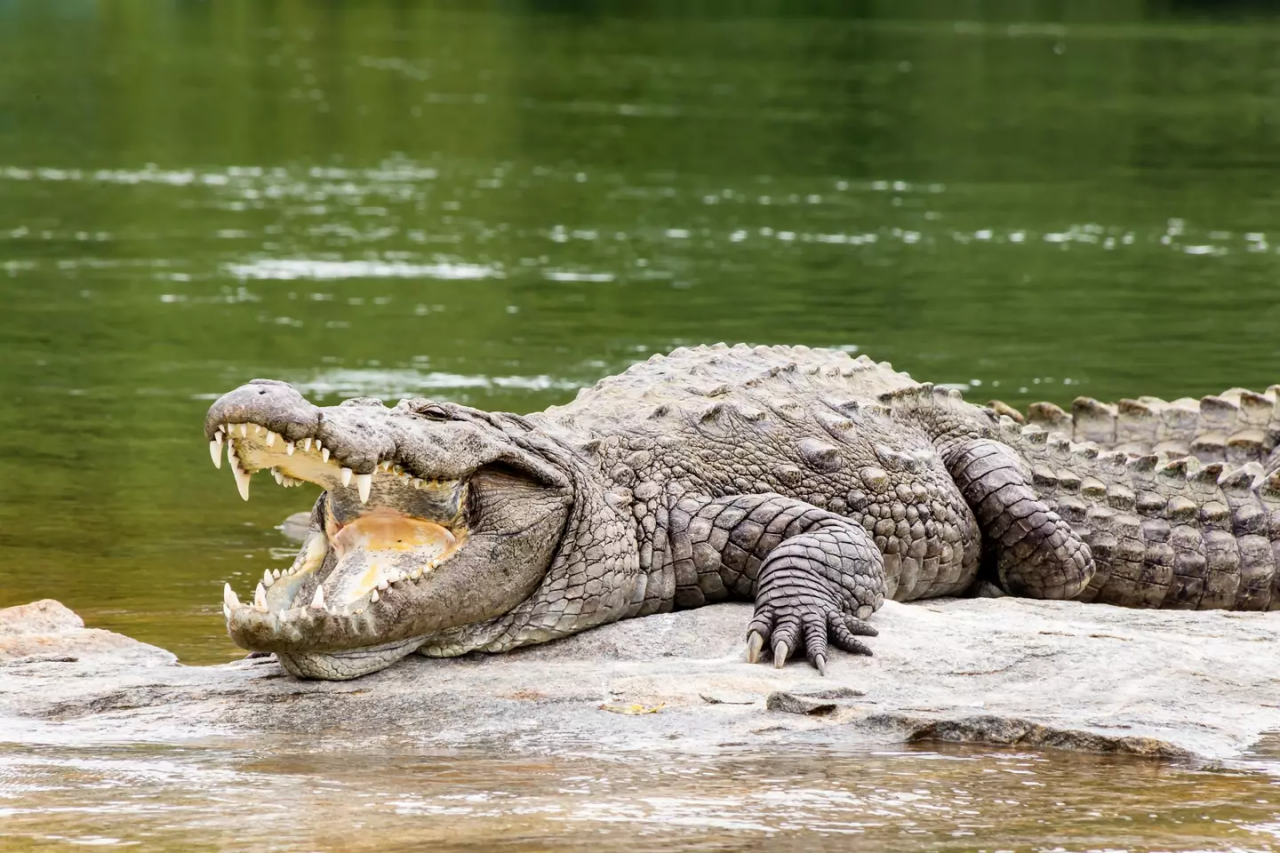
column 755, row 643
column 820, row 661
column 860, row 627
column 780, row 652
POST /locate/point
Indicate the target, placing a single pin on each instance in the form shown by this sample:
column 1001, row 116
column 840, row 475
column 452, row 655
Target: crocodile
column 810, row 482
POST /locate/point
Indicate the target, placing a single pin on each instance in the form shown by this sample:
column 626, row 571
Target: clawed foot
column 786, row 629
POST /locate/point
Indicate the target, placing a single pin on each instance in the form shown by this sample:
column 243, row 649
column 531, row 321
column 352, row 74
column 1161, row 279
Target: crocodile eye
column 434, row 411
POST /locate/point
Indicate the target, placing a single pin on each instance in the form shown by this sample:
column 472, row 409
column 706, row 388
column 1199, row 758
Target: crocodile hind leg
column 814, row 575
column 1036, row 552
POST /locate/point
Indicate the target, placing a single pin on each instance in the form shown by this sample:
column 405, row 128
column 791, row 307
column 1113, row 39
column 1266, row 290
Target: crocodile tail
column 1164, row 531
column 1235, row 427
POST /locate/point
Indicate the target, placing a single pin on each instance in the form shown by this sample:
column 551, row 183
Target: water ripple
column 307, row 268
column 398, row 383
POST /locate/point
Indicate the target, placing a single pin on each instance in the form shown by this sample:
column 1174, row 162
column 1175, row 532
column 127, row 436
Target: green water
column 1027, row 199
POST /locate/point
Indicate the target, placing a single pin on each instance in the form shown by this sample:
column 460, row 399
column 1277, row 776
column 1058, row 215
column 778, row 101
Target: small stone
column 789, row 703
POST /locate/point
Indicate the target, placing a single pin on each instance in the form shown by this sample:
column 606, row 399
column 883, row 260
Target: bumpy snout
column 269, row 402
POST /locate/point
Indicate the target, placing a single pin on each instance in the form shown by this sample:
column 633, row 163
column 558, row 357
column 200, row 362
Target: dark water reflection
column 1027, row 200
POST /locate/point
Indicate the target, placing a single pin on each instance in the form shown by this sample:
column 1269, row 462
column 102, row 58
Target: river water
column 1028, row 200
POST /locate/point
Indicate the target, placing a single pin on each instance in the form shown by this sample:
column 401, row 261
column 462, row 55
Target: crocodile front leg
column 1037, row 553
column 814, row 575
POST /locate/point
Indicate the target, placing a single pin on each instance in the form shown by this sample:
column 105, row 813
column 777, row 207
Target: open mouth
column 372, row 535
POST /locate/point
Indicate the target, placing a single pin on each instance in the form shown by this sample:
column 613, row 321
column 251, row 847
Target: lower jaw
column 348, row 664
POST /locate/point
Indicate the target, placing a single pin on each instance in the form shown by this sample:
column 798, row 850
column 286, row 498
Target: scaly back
column 1235, row 427
column 758, row 378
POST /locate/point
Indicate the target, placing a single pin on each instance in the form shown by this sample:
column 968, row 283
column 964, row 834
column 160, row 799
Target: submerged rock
column 1004, row 671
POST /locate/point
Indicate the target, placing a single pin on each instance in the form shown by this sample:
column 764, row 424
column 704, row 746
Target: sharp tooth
column 415, row 574
column 286, row 615
column 226, row 612
column 242, row 480
column 244, row 430
column 275, row 573
column 306, row 445
column 346, row 476
column 324, row 454
column 417, row 484
column 279, row 478
column 364, row 482
column 383, row 586
column 317, row 603
column 288, row 449
column 267, row 579
column 260, row 597
column 374, row 597
column 229, row 599
column 215, row 450
column 271, row 437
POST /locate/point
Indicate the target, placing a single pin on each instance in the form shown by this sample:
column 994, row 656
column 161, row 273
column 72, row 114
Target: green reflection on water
column 497, row 206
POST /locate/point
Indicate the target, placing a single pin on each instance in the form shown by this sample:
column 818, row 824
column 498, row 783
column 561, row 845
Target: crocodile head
column 433, row 516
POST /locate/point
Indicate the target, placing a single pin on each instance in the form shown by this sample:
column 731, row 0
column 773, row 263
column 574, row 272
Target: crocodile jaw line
column 381, row 547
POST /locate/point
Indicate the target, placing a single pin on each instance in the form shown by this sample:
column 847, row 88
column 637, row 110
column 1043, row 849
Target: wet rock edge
column 1002, row 672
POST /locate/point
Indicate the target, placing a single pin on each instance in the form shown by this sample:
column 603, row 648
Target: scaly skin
column 815, row 484
column 1180, row 502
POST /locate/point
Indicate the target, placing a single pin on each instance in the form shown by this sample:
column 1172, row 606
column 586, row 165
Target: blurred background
column 495, row 203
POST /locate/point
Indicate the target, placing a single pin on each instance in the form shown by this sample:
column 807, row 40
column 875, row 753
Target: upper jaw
column 356, row 450
column 251, row 447
column 444, row 441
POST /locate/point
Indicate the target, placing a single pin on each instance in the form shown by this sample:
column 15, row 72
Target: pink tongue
column 382, row 546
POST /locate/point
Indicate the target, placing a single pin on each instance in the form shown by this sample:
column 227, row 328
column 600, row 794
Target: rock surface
column 46, row 631
column 1005, row 671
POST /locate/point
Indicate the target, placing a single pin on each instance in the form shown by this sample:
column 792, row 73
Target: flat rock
column 1031, row 674
column 46, row 631
column 45, row 616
